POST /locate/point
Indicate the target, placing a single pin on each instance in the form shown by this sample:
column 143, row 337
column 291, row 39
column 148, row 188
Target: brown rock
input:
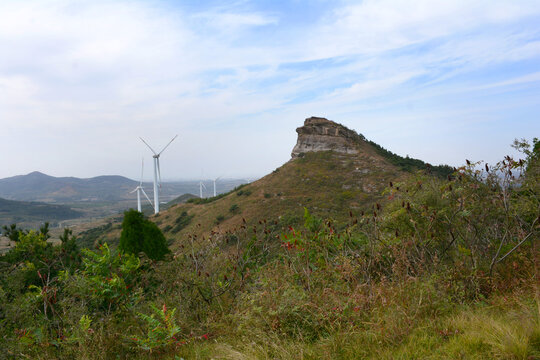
column 320, row 134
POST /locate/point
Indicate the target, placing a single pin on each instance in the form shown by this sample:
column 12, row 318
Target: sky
column 438, row 80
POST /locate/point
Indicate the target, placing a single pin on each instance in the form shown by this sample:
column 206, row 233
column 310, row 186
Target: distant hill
column 37, row 186
column 26, row 212
column 333, row 172
column 181, row 199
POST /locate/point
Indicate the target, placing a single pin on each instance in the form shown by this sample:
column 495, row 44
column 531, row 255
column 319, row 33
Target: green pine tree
column 142, row 235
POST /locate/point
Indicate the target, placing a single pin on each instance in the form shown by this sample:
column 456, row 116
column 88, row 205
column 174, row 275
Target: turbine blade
column 147, row 198
column 142, row 172
column 137, row 188
column 168, row 144
column 204, row 186
column 147, row 145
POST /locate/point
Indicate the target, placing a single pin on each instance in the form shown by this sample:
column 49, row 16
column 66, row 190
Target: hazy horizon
column 146, row 179
column 435, row 80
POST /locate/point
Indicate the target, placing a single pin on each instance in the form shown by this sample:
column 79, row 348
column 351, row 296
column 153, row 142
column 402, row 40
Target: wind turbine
column 216, row 179
column 201, row 186
column 157, row 172
column 140, row 189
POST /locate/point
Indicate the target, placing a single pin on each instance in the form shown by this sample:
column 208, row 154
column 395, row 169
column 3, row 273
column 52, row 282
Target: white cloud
column 112, row 70
column 380, row 25
column 228, row 21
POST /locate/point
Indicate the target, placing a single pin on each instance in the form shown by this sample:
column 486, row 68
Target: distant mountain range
column 37, row 186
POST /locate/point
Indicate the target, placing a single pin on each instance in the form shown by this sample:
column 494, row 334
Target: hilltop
column 333, row 171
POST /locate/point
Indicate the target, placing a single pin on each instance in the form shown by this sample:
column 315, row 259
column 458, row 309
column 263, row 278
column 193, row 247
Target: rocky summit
column 320, row 134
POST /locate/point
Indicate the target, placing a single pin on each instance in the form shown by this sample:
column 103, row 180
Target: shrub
column 182, row 221
column 12, row 232
column 162, row 330
column 234, row 208
column 219, row 219
column 141, row 235
column 109, row 277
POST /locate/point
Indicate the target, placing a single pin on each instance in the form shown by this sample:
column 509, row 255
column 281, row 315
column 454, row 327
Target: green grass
column 509, row 331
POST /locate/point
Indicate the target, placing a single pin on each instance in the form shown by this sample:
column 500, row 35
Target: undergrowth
column 447, row 269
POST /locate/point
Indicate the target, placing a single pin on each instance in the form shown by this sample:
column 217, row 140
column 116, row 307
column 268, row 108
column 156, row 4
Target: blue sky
column 438, row 80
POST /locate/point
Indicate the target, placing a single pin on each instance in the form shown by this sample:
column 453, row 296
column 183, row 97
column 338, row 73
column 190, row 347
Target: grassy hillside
column 329, row 184
column 31, row 212
column 331, row 256
column 442, row 269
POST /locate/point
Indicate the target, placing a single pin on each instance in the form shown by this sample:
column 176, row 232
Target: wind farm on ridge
column 157, row 179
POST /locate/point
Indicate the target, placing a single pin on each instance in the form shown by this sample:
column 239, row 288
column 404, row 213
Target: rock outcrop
column 320, row 134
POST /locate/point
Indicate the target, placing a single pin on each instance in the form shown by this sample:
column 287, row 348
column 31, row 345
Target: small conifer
column 142, row 235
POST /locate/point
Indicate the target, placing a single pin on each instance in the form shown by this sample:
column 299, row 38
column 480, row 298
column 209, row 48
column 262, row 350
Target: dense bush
column 141, row 235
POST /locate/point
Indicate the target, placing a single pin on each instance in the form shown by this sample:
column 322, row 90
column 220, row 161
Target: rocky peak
column 320, row 134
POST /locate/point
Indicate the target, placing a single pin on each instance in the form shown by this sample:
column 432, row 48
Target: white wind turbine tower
column 157, row 172
column 215, row 180
column 140, row 189
column 201, row 186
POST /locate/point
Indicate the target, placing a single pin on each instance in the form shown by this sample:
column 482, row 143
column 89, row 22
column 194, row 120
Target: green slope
column 329, row 184
column 22, row 211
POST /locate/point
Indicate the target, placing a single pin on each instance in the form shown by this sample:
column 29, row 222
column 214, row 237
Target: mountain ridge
column 333, row 173
column 37, row 186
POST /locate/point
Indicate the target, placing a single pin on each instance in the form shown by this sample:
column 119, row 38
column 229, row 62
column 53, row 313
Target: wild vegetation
column 31, row 212
column 444, row 268
column 197, row 200
column 410, row 164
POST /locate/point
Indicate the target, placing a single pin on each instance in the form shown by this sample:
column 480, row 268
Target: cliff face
column 320, row 134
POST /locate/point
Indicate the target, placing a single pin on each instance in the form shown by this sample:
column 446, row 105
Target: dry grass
column 327, row 183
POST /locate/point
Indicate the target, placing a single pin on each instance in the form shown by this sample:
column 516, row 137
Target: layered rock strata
column 320, row 134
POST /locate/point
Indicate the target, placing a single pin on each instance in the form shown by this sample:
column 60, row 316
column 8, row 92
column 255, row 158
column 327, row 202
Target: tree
column 12, row 232
column 142, row 235
column 44, row 229
column 71, row 256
